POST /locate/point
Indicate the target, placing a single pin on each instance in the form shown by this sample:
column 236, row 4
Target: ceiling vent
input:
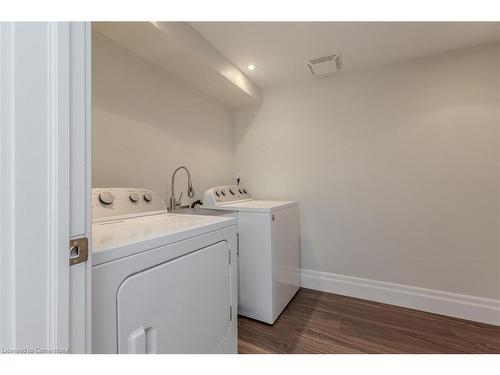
column 325, row 66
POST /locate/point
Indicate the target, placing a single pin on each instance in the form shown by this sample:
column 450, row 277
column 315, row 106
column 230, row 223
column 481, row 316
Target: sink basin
column 197, row 210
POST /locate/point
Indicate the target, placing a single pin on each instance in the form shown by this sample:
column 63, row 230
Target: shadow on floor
column 286, row 332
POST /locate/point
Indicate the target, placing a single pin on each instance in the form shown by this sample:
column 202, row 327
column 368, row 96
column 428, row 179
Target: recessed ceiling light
column 251, row 67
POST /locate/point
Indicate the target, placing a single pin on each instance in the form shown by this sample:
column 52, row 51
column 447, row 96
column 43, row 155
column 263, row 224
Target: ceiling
column 280, row 50
column 178, row 49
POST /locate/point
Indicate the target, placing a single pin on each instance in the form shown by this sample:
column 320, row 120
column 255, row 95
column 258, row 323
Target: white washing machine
column 268, row 260
column 161, row 282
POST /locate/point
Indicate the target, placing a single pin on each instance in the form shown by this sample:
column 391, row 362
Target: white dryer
column 268, row 261
column 161, row 282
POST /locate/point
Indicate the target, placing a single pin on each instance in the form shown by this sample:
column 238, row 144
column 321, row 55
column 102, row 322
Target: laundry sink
column 197, row 210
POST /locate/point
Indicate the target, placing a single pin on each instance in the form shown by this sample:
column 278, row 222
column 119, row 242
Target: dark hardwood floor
column 318, row 322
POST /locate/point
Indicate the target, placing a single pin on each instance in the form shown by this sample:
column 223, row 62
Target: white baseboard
column 457, row 305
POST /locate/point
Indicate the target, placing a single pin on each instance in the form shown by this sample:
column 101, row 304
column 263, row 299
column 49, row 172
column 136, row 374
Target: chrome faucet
column 174, row 203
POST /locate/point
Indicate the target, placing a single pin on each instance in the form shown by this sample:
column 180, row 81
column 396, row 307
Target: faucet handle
column 190, row 189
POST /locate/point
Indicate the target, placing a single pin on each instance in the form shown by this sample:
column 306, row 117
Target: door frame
column 36, row 124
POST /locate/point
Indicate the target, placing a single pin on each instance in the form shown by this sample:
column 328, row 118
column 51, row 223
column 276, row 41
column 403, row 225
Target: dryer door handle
column 137, row 342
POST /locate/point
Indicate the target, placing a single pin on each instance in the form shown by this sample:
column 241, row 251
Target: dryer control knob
column 134, row 197
column 148, row 197
column 106, row 198
column 217, row 193
column 231, row 190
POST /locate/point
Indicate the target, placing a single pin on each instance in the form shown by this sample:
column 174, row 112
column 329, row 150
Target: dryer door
column 181, row 306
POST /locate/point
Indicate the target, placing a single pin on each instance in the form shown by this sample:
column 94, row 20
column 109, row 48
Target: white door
column 181, row 306
column 44, row 128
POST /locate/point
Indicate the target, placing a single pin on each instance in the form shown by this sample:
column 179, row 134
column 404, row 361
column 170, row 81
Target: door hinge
column 230, row 313
column 229, row 256
column 78, row 250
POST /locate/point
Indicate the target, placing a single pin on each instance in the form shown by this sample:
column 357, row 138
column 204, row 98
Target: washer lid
column 259, row 205
column 120, row 238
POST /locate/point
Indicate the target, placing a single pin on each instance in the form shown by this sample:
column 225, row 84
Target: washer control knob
column 223, row 192
column 106, row 198
column 232, row 191
column 217, row 193
column 148, row 197
column 134, row 197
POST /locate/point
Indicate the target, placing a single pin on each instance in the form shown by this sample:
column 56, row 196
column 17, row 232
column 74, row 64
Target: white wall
column 396, row 170
column 146, row 123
